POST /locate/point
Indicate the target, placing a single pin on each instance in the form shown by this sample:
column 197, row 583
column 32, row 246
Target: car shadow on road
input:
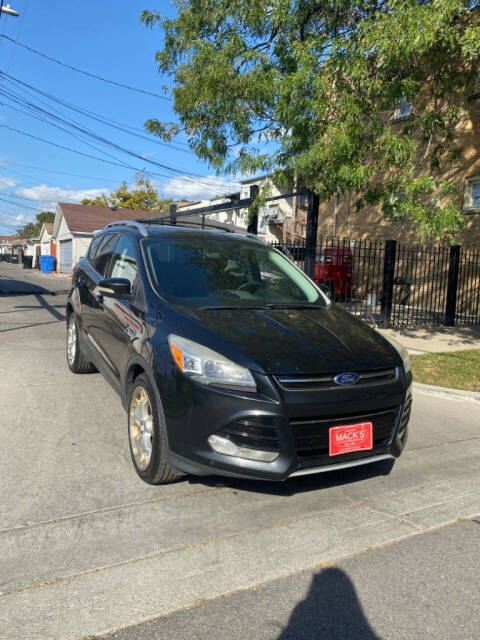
column 331, row 611
column 301, row 484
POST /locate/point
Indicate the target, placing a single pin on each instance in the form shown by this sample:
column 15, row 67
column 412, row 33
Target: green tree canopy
column 32, row 229
column 142, row 195
column 307, row 88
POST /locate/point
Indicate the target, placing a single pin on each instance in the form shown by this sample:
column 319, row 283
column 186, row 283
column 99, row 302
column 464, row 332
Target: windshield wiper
column 234, row 308
column 293, row 305
column 264, row 307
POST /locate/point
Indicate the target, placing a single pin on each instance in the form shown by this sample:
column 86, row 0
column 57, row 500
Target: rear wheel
column 76, row 360
column 148, row 445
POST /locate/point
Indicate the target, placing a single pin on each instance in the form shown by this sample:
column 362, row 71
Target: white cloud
column 52, row 195
column 9, row 223
column 5, row 183
column 205, row 188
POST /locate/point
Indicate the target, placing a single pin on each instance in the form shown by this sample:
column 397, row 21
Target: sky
column 107, row 39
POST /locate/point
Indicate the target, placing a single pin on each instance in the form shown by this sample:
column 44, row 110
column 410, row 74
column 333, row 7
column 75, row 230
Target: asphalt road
column 86, row 547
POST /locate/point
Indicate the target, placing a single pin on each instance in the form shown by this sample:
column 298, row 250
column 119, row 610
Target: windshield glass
column 221, row 271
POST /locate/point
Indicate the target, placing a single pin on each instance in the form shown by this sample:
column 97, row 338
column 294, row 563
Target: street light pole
column 8, row 10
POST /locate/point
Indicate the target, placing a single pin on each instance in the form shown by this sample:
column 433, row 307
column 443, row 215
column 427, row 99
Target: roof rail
column 174, row 221
column 129, row 223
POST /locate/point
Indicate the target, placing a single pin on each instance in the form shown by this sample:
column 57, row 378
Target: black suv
column 229, row 360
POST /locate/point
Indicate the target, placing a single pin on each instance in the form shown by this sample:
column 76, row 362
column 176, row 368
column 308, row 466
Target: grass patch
column 456, row 369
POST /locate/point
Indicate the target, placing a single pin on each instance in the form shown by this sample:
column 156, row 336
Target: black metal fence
column 388, row 284
column 391, row 284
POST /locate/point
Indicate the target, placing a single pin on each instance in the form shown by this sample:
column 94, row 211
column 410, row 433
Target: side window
column 124, row 261
column 95, row 243
column 104, row 253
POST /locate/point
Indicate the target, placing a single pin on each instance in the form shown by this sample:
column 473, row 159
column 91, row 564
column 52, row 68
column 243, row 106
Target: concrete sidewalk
column 420, row 588
column 436, row 339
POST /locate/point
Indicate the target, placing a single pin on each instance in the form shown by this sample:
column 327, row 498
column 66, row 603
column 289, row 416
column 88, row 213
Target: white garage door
column 66, row 256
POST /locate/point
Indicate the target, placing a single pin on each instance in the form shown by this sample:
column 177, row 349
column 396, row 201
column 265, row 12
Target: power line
column 63, row 173
column 206, row 182
column 59, row 146
column 191, row 177
column 18, row 197
column 20, row 204
column 87, row 155
column 86, row 73
column 94, row 116
column 32, row 115
column 20, row 26
column 49, row 184
column 9, row 225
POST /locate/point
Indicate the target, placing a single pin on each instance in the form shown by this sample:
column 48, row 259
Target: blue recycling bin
column 46, row 264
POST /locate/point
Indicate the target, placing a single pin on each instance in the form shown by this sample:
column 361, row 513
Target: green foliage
column 309, row 87
column 33, row 229
column 143, row 195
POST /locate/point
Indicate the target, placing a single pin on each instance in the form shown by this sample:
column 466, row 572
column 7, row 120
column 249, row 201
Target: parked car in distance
column 229, row 360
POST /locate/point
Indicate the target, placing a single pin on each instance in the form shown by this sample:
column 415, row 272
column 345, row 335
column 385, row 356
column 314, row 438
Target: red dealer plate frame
column 350, row 438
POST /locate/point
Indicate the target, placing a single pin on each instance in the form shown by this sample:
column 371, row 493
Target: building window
column 471, row 201
column 403, row 110
column 476, row 194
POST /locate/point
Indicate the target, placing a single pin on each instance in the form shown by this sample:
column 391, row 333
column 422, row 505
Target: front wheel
column 77, row 363
column 148, row 445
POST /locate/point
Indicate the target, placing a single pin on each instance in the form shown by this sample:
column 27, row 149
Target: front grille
column 255, row 434
column 314, row 382
column 312, row 435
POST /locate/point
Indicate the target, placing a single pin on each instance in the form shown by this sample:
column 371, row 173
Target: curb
column 447, row 392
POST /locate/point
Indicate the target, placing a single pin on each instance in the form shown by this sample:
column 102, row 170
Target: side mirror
column 114, row 287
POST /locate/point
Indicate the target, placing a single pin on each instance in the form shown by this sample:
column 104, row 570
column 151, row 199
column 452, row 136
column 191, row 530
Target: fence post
column 453, row 269
column 388, row 277
column 253, row 225
column 173, row 213
column 312, row 229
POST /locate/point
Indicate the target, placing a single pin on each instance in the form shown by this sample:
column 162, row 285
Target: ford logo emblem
column 346, row 379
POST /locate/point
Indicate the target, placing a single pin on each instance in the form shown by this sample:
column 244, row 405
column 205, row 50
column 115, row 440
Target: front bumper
column 293, row 422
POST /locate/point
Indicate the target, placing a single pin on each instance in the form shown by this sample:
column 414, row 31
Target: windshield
column 224, row 272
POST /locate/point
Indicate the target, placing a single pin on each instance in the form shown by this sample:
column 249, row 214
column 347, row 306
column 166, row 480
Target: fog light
column 229, row 448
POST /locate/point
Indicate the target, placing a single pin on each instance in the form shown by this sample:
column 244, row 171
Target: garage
column 66, row 256
column 74, row 227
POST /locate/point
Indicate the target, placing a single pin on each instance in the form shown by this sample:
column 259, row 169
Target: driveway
column 86, row 547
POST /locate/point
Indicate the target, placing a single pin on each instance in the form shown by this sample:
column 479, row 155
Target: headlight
column 403, row 353
column 207, row 366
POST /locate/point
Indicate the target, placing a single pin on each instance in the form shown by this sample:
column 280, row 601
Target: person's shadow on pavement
column 331, row 611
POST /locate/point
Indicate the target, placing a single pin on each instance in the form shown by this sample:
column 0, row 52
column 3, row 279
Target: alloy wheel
column 140, row 427
column 71, row 340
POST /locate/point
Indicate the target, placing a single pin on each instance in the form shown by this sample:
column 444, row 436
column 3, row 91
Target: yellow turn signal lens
column 178, row 355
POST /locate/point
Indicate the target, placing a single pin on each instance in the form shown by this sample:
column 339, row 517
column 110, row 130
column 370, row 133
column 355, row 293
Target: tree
column 307, row 88
column 143, row 195
column 33, row 229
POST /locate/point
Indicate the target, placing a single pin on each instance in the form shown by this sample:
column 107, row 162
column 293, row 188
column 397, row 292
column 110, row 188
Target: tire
column 146, row 435
column 76, row 360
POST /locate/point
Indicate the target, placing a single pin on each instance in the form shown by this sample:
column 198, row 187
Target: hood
column 294, row 341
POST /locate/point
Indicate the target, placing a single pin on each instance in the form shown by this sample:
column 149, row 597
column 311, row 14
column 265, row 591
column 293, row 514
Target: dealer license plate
column 350, row 438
